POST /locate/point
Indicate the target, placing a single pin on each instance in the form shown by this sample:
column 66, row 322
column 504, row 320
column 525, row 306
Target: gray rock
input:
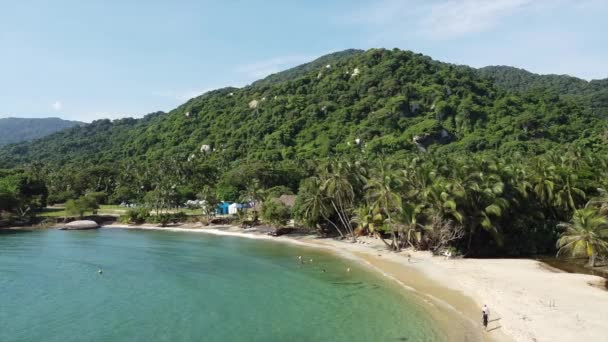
column 77, row 225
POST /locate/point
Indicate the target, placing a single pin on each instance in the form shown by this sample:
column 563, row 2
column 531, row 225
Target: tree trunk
column 592, row 259
column 344, row 223
column 409, row 239
column 346, row 220
column 472, row 229
column 395, row 246
column 381, row 238
column 333, row 224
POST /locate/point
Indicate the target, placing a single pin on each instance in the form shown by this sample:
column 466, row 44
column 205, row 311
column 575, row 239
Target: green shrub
column 98, row 197
column 80, row 206
column 166, row 218
column 275, row 212
column 179, row 217
column 137, row 216
column 61, row 197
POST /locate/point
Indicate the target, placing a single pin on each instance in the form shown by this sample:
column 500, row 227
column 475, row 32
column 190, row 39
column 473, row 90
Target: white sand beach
column 528, row 300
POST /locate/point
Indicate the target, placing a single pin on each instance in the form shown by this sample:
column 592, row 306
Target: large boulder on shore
column 83, row 224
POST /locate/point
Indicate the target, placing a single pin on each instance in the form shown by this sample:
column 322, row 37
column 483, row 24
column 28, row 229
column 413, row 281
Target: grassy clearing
column 106, row 209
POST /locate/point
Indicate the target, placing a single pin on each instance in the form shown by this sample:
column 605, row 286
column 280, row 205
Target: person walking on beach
column 485, row 314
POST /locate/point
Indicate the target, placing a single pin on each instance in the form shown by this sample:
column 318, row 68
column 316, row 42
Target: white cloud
column 545, row 36
column 456, row 18
column 438, row 19
column 257, row 70
column 590, row 5
column 384, row 12
column 57, row 106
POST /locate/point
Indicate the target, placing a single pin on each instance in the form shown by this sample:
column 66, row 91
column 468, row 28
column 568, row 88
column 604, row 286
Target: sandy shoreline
column 528, row 301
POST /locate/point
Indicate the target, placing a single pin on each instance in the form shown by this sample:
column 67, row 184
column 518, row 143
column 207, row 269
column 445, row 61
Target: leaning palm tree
column 340, row 181
column 586, row 234
column 410, row 230
column 363, row 218
column 313, row 205
column 382, row 192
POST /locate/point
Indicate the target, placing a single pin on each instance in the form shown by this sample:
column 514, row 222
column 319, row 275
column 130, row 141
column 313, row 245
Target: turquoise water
column 175, row 286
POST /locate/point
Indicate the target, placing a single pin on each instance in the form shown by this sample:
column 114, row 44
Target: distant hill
column 522, row 80
column 593, row 93
column 14, row 130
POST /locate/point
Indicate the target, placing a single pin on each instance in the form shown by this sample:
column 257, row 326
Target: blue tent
column 222, row 208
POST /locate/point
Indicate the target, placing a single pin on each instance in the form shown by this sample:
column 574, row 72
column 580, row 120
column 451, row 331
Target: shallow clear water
column 166, row 286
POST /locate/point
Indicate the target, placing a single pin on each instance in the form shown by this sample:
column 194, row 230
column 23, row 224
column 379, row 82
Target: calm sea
column 174, row 286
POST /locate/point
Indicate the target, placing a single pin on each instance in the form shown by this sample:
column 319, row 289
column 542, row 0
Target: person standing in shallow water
column 485, row 312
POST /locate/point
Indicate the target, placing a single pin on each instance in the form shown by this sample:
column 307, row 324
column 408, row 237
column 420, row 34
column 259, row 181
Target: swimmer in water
column 100, row 271
column 323, row 270
column 311, row 260
column 348, row 269
column 300, row 259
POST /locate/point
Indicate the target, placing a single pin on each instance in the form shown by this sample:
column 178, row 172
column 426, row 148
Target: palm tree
column 339, row 181
column 568, row 190
column 207, row 195
column 543, row 181
column 255, row 194
column 363, row 218
column 313, row 204
column 382, row 192
column 440, row 202
column 576, row 158
column 600, row 202
column 517, row 176
column 479, row 193
column 586, row 234
column 409, row 226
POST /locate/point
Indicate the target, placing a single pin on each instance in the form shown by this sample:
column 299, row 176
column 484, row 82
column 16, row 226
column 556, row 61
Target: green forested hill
column 383, row 98
column 301, row 70
column 13, row 130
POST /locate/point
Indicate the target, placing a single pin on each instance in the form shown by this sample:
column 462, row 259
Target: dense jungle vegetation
column 423, row 153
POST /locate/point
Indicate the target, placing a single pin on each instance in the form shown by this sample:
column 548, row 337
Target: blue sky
column 86, row 60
